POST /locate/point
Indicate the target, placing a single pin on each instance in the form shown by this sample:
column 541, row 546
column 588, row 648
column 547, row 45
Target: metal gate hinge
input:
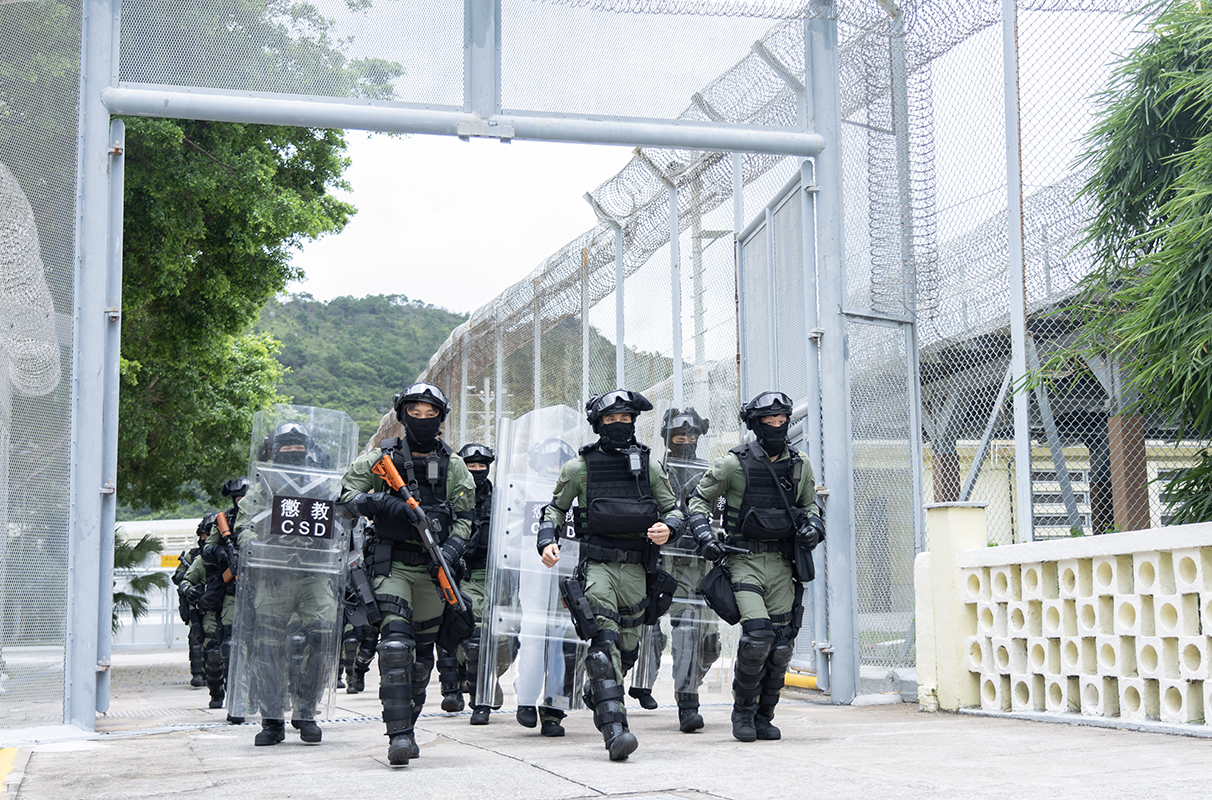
column 108, row 488
column 822, row 491
column 116, row 150
column 816, row 334
column 825, row 648
column 103, row 666
column 114, row 313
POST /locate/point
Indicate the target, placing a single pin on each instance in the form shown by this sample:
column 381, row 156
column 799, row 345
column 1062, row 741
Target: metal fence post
column 1016, row 271
column 86, row 578
column 619, row 278
column 821, row 44
column 538, row 345
column 675, row 279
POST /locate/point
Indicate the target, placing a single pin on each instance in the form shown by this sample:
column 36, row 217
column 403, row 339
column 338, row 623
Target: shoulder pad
column 587, row 448
column 741, row 450
column 444, row 449
column 389, row 444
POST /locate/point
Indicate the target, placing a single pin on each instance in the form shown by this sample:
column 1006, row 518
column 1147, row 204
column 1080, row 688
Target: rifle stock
column 225, row 533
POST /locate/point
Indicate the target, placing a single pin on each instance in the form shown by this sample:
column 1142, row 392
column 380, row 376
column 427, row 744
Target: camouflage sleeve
column 567, row 489
column 461, row 490
column 196, row 574
column 713, row 484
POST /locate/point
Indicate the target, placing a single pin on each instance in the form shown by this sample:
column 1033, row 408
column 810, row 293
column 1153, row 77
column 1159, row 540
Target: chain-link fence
column 927, row 236
column 925, row 160
column 39, row 89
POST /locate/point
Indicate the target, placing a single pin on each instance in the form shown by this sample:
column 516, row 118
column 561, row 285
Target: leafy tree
column 354, row 354
column 1148, row 302
column 127, row 557
column 213, row 212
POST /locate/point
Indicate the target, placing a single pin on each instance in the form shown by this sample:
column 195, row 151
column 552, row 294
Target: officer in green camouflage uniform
column 400, row 567
column 759, row 481
column 623, row 501
column 191, row 615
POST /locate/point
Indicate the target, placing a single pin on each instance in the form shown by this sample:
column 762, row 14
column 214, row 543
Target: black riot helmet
column 686, row 423
column 282, row 447
column 764, row 405
column 421, row 393
column 475, row 453
column 549, row 455
column 205, row 525
column 236, row 487
column 620, row 401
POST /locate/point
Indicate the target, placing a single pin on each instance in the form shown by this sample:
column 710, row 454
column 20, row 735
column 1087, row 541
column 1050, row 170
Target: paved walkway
column 160, row 741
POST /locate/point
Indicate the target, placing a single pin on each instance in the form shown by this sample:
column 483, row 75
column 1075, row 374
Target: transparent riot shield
column 690, row 640
column 292, row 549
column 525, row 621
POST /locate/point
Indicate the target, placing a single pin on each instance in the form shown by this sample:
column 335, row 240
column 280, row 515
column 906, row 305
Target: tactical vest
column 763, row 516
column 426, row 479
column 619, row 506
column 476, row 554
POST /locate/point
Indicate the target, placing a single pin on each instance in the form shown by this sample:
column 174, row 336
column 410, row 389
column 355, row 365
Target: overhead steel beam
column 275, row 109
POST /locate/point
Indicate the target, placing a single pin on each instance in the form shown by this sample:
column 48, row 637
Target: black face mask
column 293, row 459
column 480, row 476
column 683, row 450
column 617, row 434
column 422, row 432
column 772, row 437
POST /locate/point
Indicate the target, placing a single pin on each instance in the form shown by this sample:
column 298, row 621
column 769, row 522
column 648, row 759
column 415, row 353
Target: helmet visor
column 476, row 452
column 418, row 392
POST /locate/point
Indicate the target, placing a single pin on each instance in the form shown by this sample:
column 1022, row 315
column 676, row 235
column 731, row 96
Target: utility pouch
column 716, row 587
column 456, row 627
column 661, row 586
column 572, row 592
column 803, row 570
column 764, row 524
column 797, row 610
column 612, row 517
column 381, row 563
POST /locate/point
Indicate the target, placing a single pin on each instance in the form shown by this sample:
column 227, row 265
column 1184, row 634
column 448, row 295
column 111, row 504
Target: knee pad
column 602, row 640
column 597, row 665
column 757, row 637
column 660, row 640
column 780, row 654
column 214, row 657
column 396, row 652
column 711, row 648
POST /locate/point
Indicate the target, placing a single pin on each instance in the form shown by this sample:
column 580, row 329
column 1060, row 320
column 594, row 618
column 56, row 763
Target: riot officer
column 294, row 610
column 191, row 615
column 211, row 588
column 361, row 633
column 771, row 515
column 400, row 566
column 693, row 626
column 624, row 503
column 458, row 671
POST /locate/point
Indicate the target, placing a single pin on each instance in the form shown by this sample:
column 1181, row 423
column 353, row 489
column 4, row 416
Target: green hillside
column 354, row 353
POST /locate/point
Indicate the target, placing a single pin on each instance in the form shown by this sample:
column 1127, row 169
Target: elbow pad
column 675, row 526
column 700, row 528
column 547, row 535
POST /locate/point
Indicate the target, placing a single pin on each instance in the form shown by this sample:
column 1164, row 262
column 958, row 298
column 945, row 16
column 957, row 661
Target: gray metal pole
column 109, row 446
column 675, row 279
column 277, row 109
column 821, row 44
column 482, row 57
column 904, row 175
column 1016, row 272
column 538, row 346
column 86, row 463
column 585, row 324
column 738, row 225
column 619, row 279
column 499, row 359
column 696, row 252
column 464, row 395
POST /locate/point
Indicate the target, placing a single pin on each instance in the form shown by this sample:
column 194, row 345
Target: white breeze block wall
column 1108, row 626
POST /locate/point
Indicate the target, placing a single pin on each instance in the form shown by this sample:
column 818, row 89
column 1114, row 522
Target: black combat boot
column 357, row 681
column 551, row 722
column 402, row 747
column 743, row 726
column 308, row 730
column 479, row 715
column 761, row 722
column 528, row 716
column 216, row 695
column 644, row 696
column 272, row 732
column 689, row 718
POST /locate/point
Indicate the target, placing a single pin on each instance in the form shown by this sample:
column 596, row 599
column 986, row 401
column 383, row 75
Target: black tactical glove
column 193, row 594
column 387, row 506
column 452, row 551
column 709, row 547
column 811, row 531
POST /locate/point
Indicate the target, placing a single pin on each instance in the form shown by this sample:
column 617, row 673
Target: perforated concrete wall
column 1109, row 626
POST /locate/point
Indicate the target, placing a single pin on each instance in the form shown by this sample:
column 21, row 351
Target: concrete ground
column 160, row 740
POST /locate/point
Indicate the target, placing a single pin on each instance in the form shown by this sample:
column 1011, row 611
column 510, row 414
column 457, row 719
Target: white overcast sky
column 453, row 223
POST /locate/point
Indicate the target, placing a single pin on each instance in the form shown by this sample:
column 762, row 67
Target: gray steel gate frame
column 98, row 273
